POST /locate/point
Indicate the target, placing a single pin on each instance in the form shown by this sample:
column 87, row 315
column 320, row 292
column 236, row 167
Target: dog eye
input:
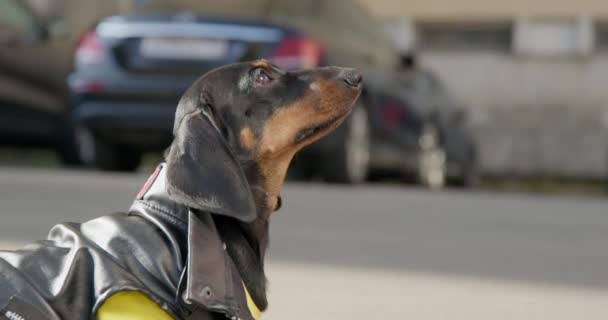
column 261, row 77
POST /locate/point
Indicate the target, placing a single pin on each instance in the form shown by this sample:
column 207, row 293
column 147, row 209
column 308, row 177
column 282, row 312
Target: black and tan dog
column 192, row 245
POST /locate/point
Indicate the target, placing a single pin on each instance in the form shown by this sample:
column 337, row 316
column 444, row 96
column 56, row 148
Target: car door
column 29, row 98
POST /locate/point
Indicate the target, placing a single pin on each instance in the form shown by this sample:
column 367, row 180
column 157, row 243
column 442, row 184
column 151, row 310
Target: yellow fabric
column 253, row 309
column 134, row 305
column 131, row 305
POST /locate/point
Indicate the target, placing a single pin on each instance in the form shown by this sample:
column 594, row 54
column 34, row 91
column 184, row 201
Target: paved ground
column 338, row 253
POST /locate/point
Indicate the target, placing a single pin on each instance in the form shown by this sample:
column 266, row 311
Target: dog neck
column 270, row 175
column 246, row 243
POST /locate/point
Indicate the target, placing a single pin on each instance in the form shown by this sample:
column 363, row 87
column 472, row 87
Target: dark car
column 426, row 137
column 131, row 70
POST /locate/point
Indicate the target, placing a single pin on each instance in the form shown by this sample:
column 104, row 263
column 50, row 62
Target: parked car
column 131, row 70
column 426, row 137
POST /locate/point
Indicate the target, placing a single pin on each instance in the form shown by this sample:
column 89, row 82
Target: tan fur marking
column 334, row 97
column 277, row 146
column 247, row 139
column 261, row 64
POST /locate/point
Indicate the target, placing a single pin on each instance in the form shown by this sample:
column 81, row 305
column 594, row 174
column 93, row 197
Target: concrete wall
column 532, row 116
column 491, row 9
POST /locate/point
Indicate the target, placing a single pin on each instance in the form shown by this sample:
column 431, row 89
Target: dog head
column 238, row 127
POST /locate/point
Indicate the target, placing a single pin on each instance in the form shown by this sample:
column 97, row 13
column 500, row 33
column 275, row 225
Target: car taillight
column 392, row 114
column 297, row 52
column 89, row 50
column 87, row 86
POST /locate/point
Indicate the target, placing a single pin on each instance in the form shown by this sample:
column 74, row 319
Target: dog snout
column 352, row 77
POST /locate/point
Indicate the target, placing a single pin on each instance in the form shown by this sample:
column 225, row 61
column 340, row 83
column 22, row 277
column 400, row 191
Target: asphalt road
column 520, row 240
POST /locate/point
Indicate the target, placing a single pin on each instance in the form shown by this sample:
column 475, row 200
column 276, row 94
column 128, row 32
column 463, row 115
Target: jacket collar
column 209, row 276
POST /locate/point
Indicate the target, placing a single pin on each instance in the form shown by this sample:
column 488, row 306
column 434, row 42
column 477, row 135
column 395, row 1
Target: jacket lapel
column 212, row 279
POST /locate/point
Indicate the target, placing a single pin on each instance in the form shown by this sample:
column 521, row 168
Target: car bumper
column 145, row 125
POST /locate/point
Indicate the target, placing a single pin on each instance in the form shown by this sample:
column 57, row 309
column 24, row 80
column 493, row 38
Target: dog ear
column 202, row 172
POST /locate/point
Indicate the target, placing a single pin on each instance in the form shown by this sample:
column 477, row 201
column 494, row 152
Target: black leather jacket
column 161, row 248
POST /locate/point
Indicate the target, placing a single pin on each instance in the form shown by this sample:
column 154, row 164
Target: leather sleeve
column 71, row 274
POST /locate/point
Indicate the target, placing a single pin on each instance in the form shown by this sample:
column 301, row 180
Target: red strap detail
column 148, row 184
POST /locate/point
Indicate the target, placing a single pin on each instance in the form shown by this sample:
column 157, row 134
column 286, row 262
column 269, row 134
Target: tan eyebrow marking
column 261, row 64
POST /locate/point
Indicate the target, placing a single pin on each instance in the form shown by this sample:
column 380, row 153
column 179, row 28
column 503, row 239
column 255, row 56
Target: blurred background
column 468, row 183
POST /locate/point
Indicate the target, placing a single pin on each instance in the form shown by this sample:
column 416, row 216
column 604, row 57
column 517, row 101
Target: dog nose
column 351, row 77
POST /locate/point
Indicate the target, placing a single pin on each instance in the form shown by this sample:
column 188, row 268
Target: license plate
column 183, row 49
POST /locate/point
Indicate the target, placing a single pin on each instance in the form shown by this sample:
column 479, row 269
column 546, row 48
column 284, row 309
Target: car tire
column 68, row 153
column 348, row 162
column 432, row 159
column 66, row 147
column 469, row 176
column 96, row 153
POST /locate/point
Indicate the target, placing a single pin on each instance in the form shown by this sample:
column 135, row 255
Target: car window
column 15, row 21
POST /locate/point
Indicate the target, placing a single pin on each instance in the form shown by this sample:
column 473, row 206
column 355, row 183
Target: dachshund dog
column 193, row 244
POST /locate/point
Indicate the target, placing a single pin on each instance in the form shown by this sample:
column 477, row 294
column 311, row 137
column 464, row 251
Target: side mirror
column 35, row 34
column 407, row 61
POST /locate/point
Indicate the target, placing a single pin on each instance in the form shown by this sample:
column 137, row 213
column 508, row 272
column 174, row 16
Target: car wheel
column 68, row 153
column 432, row 159
column 66, row 146
column 94, row 152
column 349, row 161
column 470, row 176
